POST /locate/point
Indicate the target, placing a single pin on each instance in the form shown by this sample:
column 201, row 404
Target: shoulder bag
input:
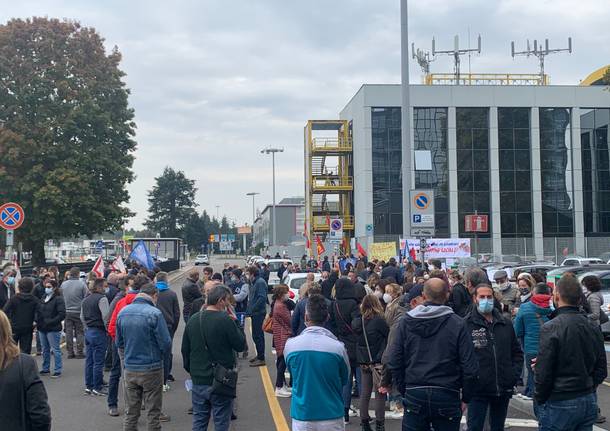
column 225, row 379
column 347, row 325
column 375, row 369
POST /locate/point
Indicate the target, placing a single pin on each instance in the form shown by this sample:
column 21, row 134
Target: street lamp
column 272, row 151
column 253, row 215
column 218, row 213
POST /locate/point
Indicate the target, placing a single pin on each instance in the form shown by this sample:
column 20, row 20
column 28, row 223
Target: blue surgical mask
column 48, row 290
column 11, row 280
column 486, row 305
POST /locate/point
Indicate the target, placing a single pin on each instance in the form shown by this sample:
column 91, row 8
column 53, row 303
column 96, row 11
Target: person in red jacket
column 282, row 330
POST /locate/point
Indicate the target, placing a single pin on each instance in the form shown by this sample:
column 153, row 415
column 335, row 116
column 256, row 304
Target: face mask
column 48, row 290
column 106, row 289
column 387, row 298
column 234, row 279
column 11, row 280
column 378, row 294
column 524, row 291
column 485, row 305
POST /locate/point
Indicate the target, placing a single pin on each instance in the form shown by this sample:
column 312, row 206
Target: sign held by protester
column 440, row 248
column 382, row 250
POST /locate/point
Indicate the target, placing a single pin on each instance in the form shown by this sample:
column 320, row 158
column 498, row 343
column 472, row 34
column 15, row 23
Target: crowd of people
column 427, row 343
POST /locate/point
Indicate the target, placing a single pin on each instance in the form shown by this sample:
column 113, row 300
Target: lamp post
column 272, row 151
column 253, row 215
column 218, row 213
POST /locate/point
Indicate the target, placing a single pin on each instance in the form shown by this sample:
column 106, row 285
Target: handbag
column 375, row 369
column 268, row 324
column 225, row 379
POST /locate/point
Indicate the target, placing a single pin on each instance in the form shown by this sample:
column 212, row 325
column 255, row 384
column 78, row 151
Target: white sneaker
column 287, row 389
column 525, row 397
column 274, row 352
column 281, row 393
column 166, row 388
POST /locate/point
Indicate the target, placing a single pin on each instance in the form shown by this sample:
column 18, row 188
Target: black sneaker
column 170, row 378
column 88, row 391
column 258, row 363
column 99, row 392
column 345, row 416
column 56, row 375
column 44, row 373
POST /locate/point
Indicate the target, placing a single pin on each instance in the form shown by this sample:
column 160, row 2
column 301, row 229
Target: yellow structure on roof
column 596, row 78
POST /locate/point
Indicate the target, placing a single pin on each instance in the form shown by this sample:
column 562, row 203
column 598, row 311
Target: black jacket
column 392, row 272
column 460, row 300
column 326, row 266
column 432, row 347
column 6, row 291
column 21, row 309
column 327, row 285
column 498, row 352
column 571, row 358
column 23, row 390
column 51, row 314
column 167, row 302
column 190, row 292
column 377, row 331
column 359, row 291
column 112, row 292
column 342, row 313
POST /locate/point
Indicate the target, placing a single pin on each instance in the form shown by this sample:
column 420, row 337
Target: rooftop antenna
column 423, row 58
column 541, row 53
column 456, row 52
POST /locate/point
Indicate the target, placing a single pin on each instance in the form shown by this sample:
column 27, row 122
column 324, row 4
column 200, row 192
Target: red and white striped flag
column 119, row 265
column 98, row 268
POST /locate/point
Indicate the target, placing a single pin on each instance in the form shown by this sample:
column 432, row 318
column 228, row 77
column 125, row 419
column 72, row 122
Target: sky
column 215, row 81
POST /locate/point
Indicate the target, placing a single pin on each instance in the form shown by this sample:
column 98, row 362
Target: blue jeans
column 206, row 404
column 95, row 350
column 258, row 336
column 114, row 378
column 347, row 389
column 529, row 386
column 577, row 414
column 50, row 341
column 477, row 411
column 431, row 406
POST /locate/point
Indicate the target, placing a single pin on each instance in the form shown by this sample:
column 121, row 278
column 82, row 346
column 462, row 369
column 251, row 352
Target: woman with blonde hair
column 23, row 399
column 372, row 331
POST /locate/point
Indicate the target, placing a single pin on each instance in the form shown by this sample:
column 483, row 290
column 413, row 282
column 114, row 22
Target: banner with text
column 440, row 248
column 382, row 250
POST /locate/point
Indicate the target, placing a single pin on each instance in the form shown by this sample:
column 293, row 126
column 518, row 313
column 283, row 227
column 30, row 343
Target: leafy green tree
column 196, row 232
column 66, row 131
column 171, row 203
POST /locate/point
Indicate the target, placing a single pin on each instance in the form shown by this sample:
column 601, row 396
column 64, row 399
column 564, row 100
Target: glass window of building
column 515, row 173
column 595, row 170
column 430, row 133
column 472, row 126
column 555, row 171
column 387, row 171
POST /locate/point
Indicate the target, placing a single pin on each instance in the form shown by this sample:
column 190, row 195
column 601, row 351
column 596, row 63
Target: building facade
column 535, row 159
column 290, row 214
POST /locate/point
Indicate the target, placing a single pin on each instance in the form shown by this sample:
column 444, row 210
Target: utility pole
column 405, row 115
column 253, row 214
column 272, row 151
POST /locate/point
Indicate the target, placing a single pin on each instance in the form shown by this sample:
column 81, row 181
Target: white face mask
column 387, row 298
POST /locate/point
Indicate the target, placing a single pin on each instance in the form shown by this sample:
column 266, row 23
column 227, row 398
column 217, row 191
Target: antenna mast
column 456, row 53
column 423, row 58
column 541, row 53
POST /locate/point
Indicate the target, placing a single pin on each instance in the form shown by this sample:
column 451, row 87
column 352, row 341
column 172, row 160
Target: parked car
column 295, row 280
column 273, row 265
column 202, row 259
column 604, row 276
column 579, row 260
column 539, row 267
column 555, row 274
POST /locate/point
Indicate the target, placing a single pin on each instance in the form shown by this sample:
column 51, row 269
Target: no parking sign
column 11, row 216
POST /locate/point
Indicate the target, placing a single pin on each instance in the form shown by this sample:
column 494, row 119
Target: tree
column 66, row 131
column 196, row 232
column 171, row 203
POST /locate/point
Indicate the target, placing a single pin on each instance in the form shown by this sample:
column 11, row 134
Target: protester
column 51, row 313
column 328, row 282
column 571, row 363
column 343, row 312
column 460, row 299
column 393, row 313
column 595, row 299
column 310, row 278
column 506, row 293
column 211, row 337
column 23, row 399
column 430, row 361
column 500, row 361
column 319, row 366
column 359, row 288
column 528, row 322
column 372, row 331
column 74, row 291
column 392, row 271
column 7, row 285
column 21, row 309
column 141, row 333
column 190, row 292
column 257, row 309
column 94, row 311
column 282, row 330
column 525, row 284
column 167, row 302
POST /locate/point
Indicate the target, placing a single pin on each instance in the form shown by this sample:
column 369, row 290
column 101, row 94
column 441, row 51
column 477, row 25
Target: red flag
column 119, row 265
column 361, row 249
column 98, row 268
column 319, row 246
column 306, row 235
column 328, row 220
column 412, row 253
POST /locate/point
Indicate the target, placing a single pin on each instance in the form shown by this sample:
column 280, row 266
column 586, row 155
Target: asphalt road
column 256, row 407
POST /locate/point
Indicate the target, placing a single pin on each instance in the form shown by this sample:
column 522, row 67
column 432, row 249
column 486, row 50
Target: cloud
column 213, row 82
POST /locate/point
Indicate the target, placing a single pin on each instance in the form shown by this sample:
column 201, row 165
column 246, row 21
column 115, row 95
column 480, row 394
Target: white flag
column 98, row 268
column 119, row 265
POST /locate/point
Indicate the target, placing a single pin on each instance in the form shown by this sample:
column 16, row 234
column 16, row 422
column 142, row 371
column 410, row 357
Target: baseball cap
column 414, row 292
